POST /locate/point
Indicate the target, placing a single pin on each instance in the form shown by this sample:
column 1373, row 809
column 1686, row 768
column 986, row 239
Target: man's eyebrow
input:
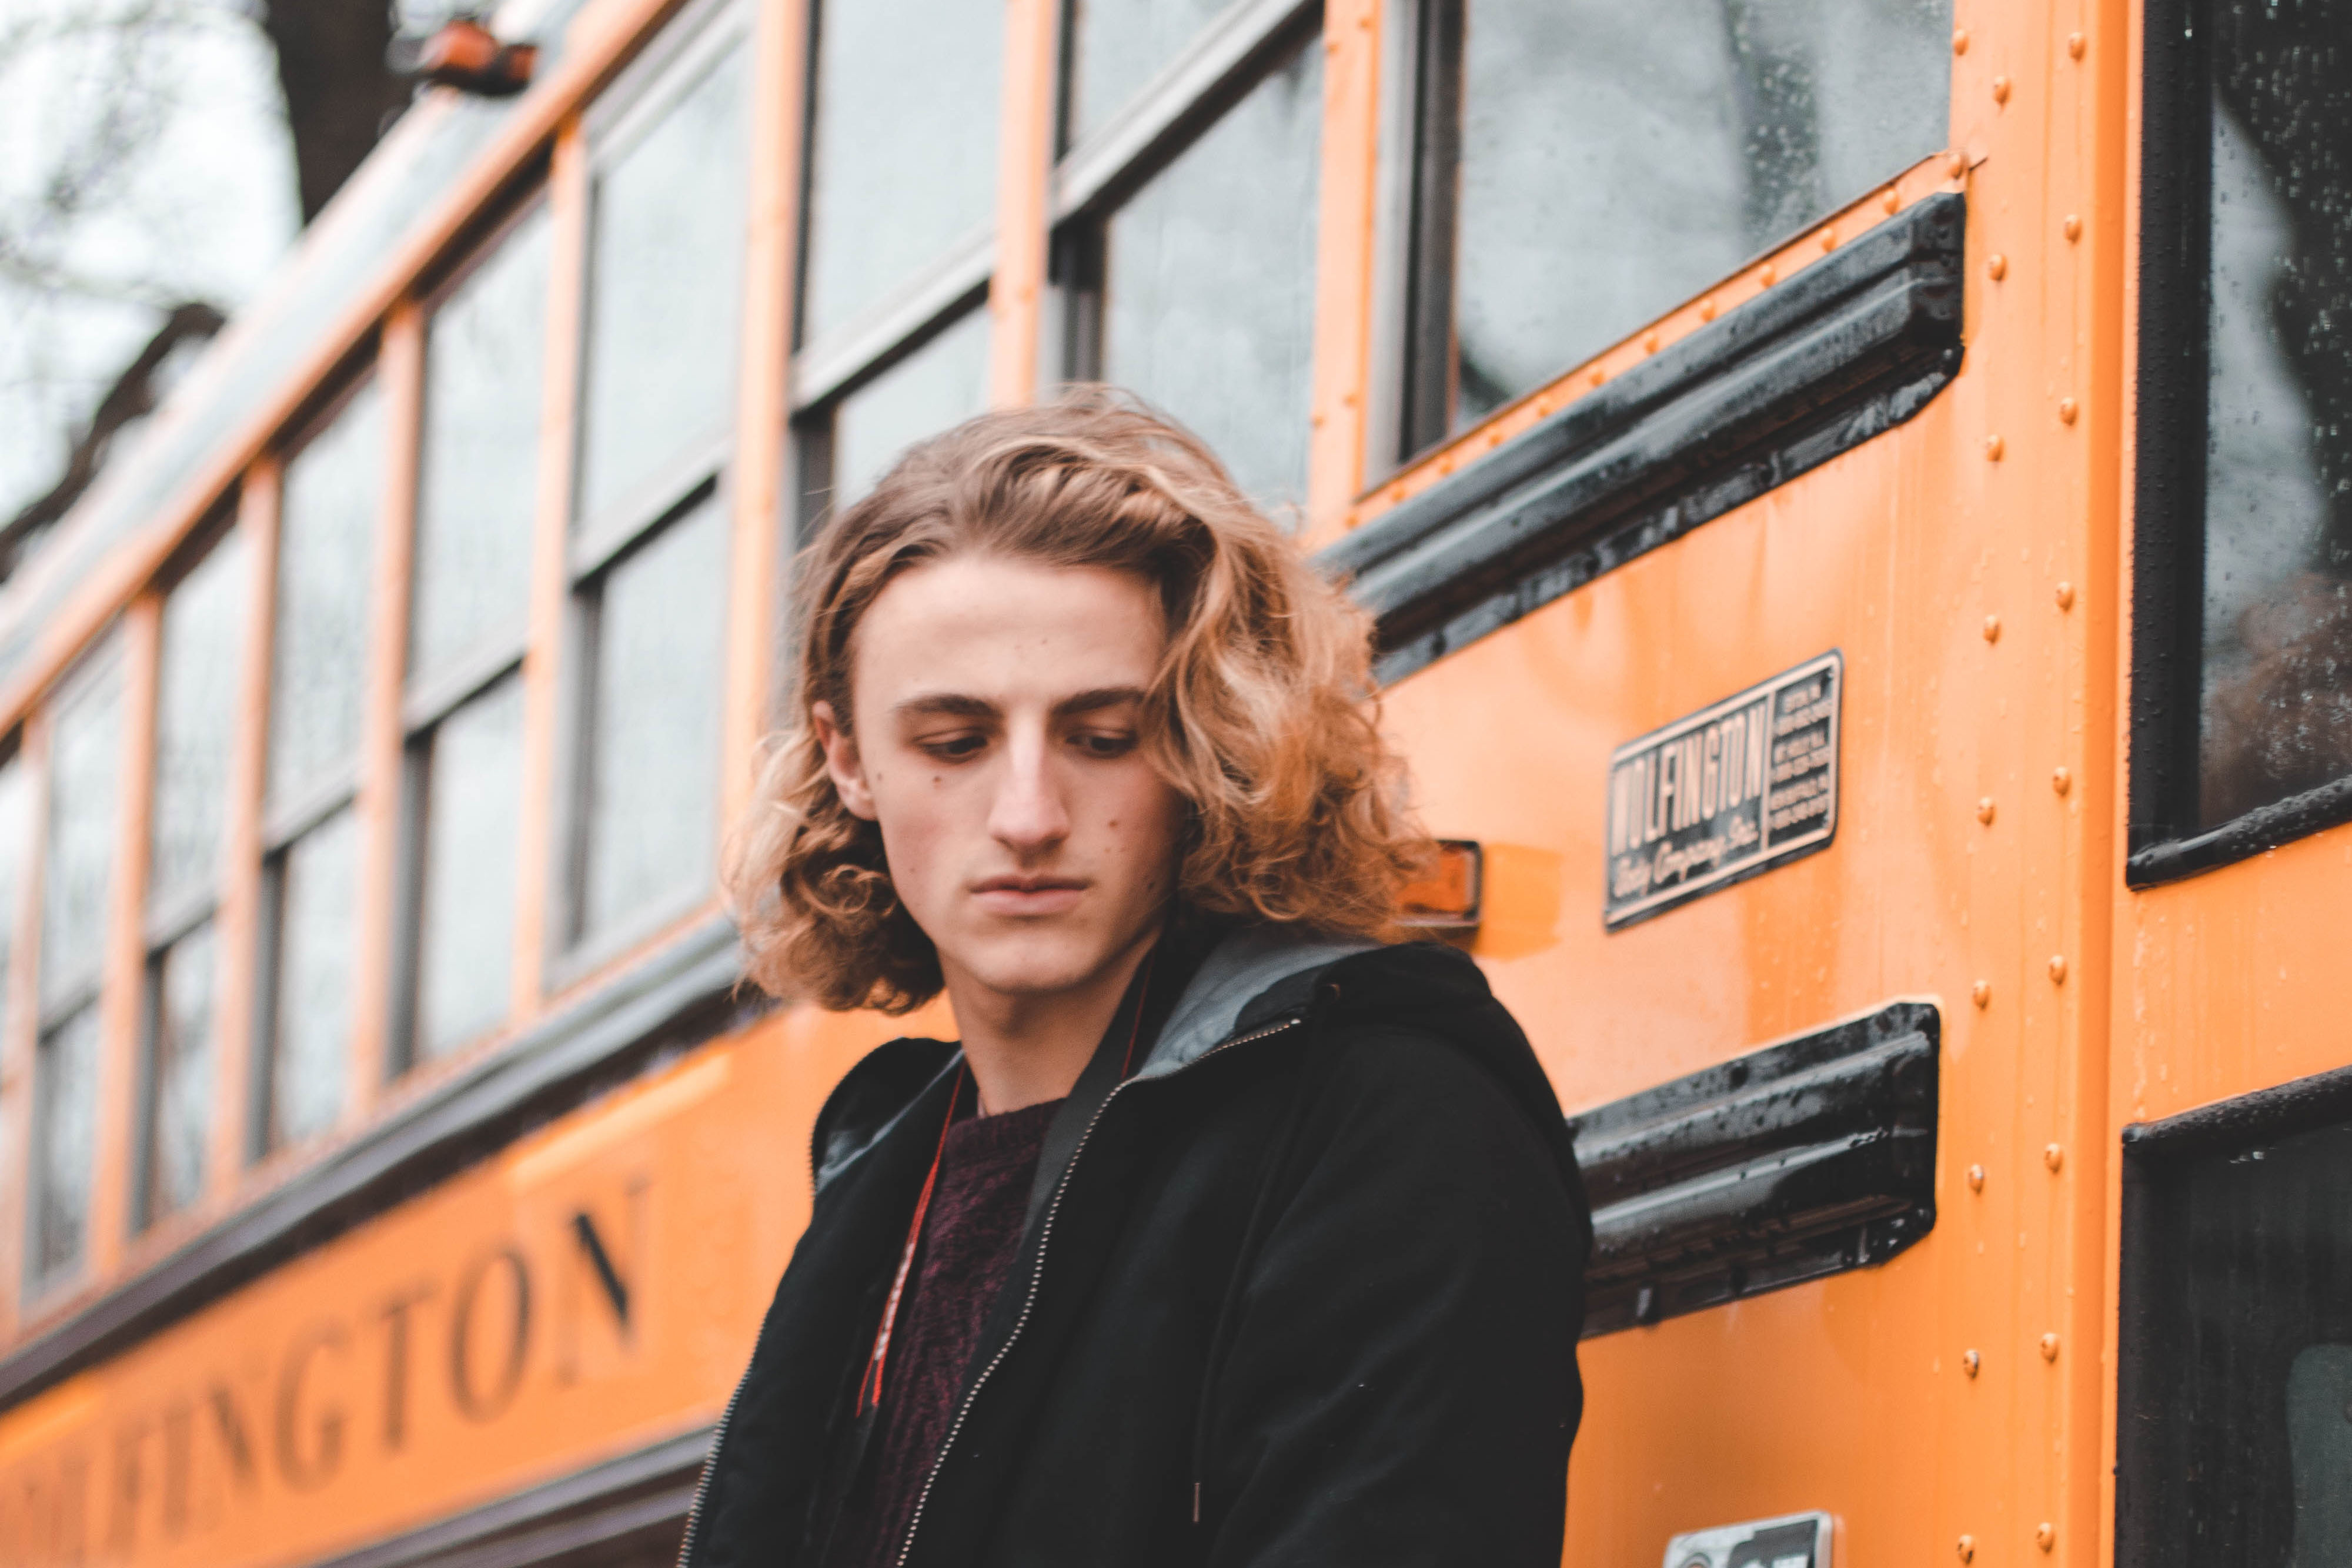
column 944, row 704
column 1097, row 699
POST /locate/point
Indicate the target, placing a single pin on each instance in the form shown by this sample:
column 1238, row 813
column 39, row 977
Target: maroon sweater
column 970, row 1236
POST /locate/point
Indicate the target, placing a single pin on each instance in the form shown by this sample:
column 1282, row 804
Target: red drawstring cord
column 869, row 1387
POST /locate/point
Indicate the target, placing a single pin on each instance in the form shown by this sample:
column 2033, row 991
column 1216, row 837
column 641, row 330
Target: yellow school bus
column 1855, row 494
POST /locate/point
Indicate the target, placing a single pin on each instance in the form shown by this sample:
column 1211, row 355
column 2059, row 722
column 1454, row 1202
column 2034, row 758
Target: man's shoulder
column 871, row 1096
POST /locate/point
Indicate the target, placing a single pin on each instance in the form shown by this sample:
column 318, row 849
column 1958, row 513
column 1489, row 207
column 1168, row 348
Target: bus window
column 664, row 289
column 468, row 604
column 2236, row 1378
column 666, row 275
column 325, row 549
column 78, row 873
column 1117, row 46
column 1208, row 281
column 1586, row 165
column 197, row 668
column 2245, row 493
column 899, row 170
column 941, row 383
column 649, row 780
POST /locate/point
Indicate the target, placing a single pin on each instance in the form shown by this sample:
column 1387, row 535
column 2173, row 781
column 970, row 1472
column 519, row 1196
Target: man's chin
column 1033, row 965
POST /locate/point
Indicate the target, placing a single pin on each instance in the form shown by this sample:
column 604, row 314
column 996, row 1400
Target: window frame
column 2167, row 610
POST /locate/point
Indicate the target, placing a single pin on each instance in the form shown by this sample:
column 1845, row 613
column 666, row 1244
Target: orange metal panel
column 1024, row 169
column 401, row 368
column 551, row 582
column 755, row 575
column 237, row 1012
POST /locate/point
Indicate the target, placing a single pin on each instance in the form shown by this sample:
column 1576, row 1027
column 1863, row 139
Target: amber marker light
column 1445, row 897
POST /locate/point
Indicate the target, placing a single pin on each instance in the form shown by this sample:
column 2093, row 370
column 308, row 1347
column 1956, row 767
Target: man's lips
column 1021, row 894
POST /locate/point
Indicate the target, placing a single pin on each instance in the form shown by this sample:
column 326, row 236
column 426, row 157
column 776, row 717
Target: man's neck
column 1027, row 1049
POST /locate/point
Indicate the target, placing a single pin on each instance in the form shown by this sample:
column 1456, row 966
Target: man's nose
column 1028, row 814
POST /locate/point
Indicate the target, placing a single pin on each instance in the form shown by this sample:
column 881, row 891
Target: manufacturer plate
column 1734, row 790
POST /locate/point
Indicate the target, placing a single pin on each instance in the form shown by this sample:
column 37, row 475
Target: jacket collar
column 1244, row 966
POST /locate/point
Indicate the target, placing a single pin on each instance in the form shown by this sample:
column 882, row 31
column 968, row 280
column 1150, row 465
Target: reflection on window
column 942, row 383
column 2277, row 683
column 195, row 704
column 473, row 821
column 480, row 454
column 179, row 1072
column 1616, row 159
column 665, row 273
column 64, row 1130
column 1118, row 46
column 651, row 777
column 333, row 490
column 896, row 171
column 1209, row 298
column 318, row 908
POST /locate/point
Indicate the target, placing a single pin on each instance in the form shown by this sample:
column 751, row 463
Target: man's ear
column 841, row 761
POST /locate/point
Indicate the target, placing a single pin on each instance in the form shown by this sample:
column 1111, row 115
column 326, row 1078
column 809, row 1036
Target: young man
column 1225, row 1234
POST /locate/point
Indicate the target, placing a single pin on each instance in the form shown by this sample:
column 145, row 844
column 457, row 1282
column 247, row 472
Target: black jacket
column 1305, row 1290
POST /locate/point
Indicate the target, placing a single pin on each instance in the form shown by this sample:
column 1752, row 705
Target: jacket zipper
column 1036, row 1275
column 702, row 1485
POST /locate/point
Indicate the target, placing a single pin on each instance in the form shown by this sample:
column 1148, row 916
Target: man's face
column 996, row 739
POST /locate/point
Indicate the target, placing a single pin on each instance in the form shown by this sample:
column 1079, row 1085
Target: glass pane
column 473, row 826
column 480, row 458
column 85, row 750
column 180, row 1071
column 1119, row 45
column 65, row 1129
column 1209, row 302
column 653, row 740
column 334, row 489
column 902, row 163
column 317, row 947
column 1618, row 159
column 666, row 289
column 2278, row 490
column 195, row 711
column 15, row 846
column 2249, row 1359
column 943, row 383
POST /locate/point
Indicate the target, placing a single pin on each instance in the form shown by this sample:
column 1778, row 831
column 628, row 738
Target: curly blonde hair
column 1261, row 716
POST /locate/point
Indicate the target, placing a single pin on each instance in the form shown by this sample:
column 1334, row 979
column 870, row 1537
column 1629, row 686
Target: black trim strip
column 2266, row 1116
column 1848, row 348
column 2241, row 837
column 679, row 996
column 1803, row 1159
column 634, row 1506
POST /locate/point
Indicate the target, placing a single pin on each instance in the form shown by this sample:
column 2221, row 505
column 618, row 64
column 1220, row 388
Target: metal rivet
column 1992, row 628
column 2050, row 1347
column 2046, row 1535
column 1956, row 165
column 1971, row 1363
column 1892, row 200
column 2067, row 411
column 1981, row 994
column 1997, row 268
column 1599, row 375
column 2058, row 968
column 2073, row 227
column 1959, row 40
column 1649, row 342
column 1976, row 1184
column 1706, row 308
column 1967, row 1548
column 1495, row 437
column 1984, row 811
column 1994, row 447
column 2000, row 89
column 2076, row 45
column 1829, row 239
column 1316, row 419
column 2061, row 779
column 1769, row 275
column 2065, row 596
column 2054, row 1155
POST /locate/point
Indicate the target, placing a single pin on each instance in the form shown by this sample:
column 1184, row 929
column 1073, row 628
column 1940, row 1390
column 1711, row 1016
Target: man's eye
column 1106, row 743
column 952, row 747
